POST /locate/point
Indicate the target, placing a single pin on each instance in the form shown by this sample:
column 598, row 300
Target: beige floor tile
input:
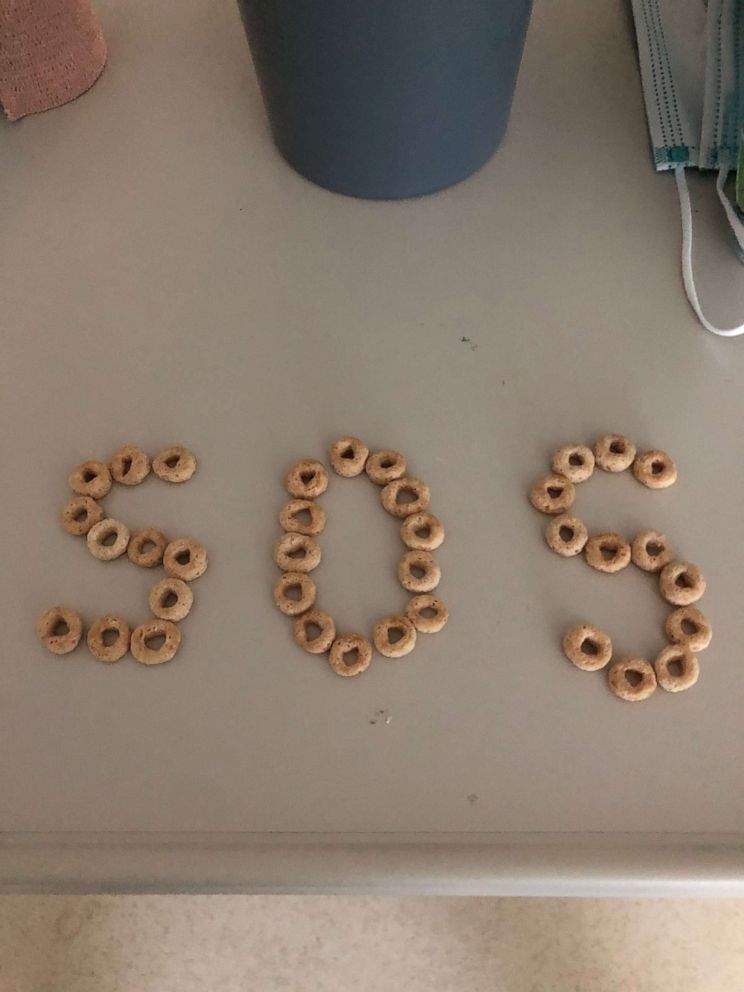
column 226, row 943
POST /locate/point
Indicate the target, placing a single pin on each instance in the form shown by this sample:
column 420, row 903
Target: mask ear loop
column 733, row 218
column 687, row 274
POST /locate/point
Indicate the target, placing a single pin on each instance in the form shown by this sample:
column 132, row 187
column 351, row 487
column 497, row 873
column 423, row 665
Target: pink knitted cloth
column 50, row 52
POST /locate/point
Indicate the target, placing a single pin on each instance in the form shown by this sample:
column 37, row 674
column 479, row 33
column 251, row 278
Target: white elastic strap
column 687, row 274
column 733, row 218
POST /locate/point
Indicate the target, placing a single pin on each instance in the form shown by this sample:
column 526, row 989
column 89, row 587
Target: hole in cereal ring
column 146, row 546
column 608, row 551
column 405, row 495
column 657, row 467
column 294, row 592
column 183, row 557
column 60, row 629
column 683, row 581
column 590, row 647
column 155, row 641
column 126, row 464
column 418, row 571
column 300, row 552
column 386, row 462
column 575, row 459
column 172, row 461
column 674, row 667
column 689, row 627
column 423, row 531
column 307, row 476
column 168, row 599
column 303, row 516
column 351, row 657
column 555, row 491
column 428, row 612
column 617, row 447
column 109, row 538
column 80, row 515
column 89, row 475
column 654, row 549
column 312, row 630
column 633, row 678
column 348, row 452
column 395, row 634
column 566, row 533
column 109, row 636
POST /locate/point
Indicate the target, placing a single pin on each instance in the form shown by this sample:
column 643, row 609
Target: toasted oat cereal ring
column 297, row 553
column 655, row 469
column 587, row 647
column 185, row 559
column 307, row 479
column 418, row 571
column 689, row 627
column 681, row 583
column 417, row 490
column 348, row 456
column 109, row 637
column 129, row 465
column 90, row 478
column 631, row 679
column 650, row 550
column 574, row 462
column 350, row 654
column 394, row 637
column 174, row 464
column 294, row 593
column 422, row 531
column 676, row 668
column 385, row 466
column 108, row 539
column 147, row 547
column 314, row 631
column 607, row 552
column 302, row 516
column 566, row 535
column 427, row 613
column 154, row 630
column 79, row 515
column 552, row 494
column 59, row 629
column 171, row 599
column 614, row 453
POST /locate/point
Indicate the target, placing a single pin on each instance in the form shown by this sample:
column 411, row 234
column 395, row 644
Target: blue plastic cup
column 386, row 98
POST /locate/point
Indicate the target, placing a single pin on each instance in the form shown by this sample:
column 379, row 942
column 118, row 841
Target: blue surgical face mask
column 691, row 54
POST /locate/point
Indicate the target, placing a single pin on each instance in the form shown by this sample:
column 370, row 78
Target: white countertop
column 167, row 278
